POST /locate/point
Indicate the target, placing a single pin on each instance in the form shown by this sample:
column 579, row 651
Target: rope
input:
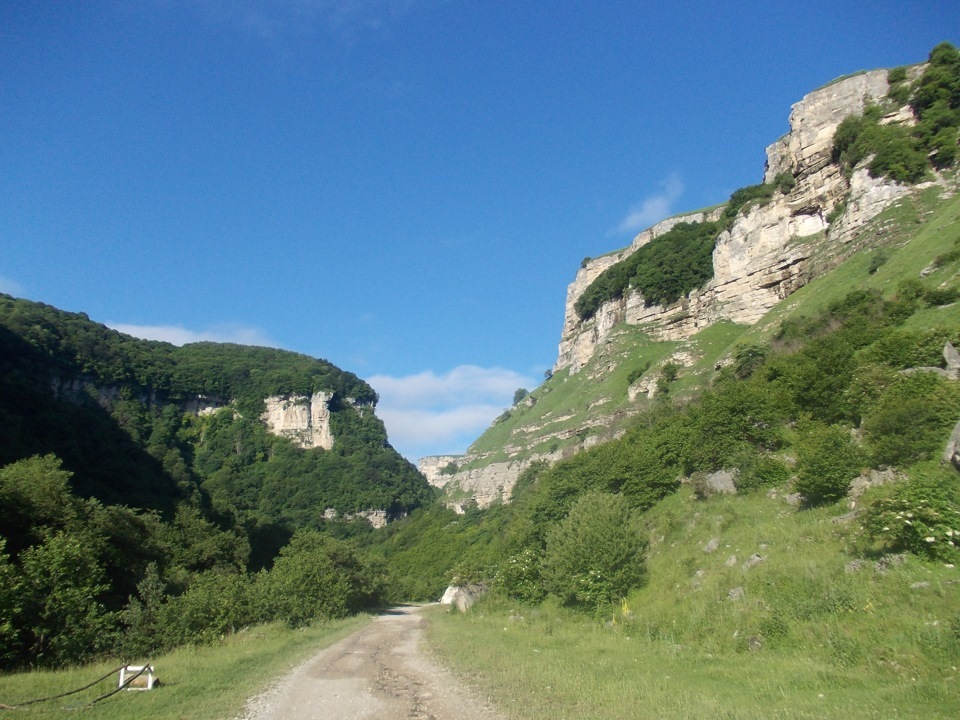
column 81, row 689
column 118, row 689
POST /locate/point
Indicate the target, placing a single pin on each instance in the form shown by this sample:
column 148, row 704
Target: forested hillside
column 109, row 473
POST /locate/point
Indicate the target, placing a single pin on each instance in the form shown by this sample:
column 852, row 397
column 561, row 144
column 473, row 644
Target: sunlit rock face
column 304, row 419
column 764, row 255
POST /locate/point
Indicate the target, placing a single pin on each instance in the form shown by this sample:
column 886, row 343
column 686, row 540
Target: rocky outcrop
column 479, row 486
column 434, row 468
column 766, row 254
column 376, row 518
column 304, row 419
column 771, row 250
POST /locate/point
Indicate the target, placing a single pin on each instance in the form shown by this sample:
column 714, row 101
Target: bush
column 922, row 516
column 315, row 578
column 760, row 472
column 216, row 604
column 596, row 554
column 877, row 261
column 785, row 182
column 637, row 372
column 910, row 419
column 827, row 460
column 519, row 577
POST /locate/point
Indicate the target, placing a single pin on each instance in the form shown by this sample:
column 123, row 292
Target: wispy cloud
column 654, row 208
column 178, row 335
column 10, row 287
column 273, row 19
column 431, row 414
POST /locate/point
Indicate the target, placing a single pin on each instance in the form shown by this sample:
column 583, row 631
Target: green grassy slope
column 594, row 402
column 753, row 607
column 814, row 634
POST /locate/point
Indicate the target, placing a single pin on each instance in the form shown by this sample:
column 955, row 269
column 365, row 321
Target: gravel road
column 378, row 672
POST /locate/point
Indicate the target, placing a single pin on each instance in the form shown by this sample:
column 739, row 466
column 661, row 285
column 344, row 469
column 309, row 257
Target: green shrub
column 216, row 604
column 596, row 554
column 877, row 261
column 315, row 578
column 940, row 296
column 922, row 516
column 519, row 577
column 747, row 357
column 785, row 182
column 762, row 193
column 897, row 75
column 911, row 419
column 637, row 372
column 759, row 472
column 56, row 601
column 901, row 348
column 827, row 460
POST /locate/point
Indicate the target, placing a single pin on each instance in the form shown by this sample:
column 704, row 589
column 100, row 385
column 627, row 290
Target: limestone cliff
column 304, row 419
column 768, row 252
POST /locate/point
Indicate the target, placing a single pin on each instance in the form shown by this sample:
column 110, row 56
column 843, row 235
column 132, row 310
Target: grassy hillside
column 812, row 631
column 903, row 240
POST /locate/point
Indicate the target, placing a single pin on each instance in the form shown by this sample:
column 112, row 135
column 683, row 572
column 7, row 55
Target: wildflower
column 929, row 539
column 885, row 529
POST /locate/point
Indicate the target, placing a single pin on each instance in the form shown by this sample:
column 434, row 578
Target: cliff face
column 765, row 255
column 304, row 419
column 769, row 251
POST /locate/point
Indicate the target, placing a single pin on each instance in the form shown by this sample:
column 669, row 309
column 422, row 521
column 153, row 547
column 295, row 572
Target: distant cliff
column 261, row 435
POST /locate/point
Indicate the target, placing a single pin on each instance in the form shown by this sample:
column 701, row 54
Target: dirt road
column 379, row 672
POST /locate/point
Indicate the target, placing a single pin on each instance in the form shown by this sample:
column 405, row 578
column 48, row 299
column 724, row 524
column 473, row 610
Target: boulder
column 463, row 596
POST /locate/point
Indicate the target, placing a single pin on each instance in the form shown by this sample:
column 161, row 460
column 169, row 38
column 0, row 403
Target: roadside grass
column 821, row 627
column 199, row 683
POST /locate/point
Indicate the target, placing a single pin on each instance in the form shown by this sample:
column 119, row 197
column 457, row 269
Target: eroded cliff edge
column 768, row 252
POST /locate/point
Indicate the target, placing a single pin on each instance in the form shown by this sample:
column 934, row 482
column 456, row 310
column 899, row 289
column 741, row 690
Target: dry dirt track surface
column 379, row 672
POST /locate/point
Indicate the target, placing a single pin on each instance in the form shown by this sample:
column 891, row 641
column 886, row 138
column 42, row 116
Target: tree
column 596, row 554
column 519, row 395
column 316, row 578
column 62, row 617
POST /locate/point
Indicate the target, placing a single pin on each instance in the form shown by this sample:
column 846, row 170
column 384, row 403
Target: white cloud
column 654, row 208
column 431, row 414
column 10, row 287
column 177, row 335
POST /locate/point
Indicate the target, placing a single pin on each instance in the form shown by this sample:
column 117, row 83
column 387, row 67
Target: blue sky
column 402, row 187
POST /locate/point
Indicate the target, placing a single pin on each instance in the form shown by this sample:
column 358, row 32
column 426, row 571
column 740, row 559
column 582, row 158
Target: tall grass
column 203, row 683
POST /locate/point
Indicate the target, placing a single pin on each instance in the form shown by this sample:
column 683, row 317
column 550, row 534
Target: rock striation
column 767, row 252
